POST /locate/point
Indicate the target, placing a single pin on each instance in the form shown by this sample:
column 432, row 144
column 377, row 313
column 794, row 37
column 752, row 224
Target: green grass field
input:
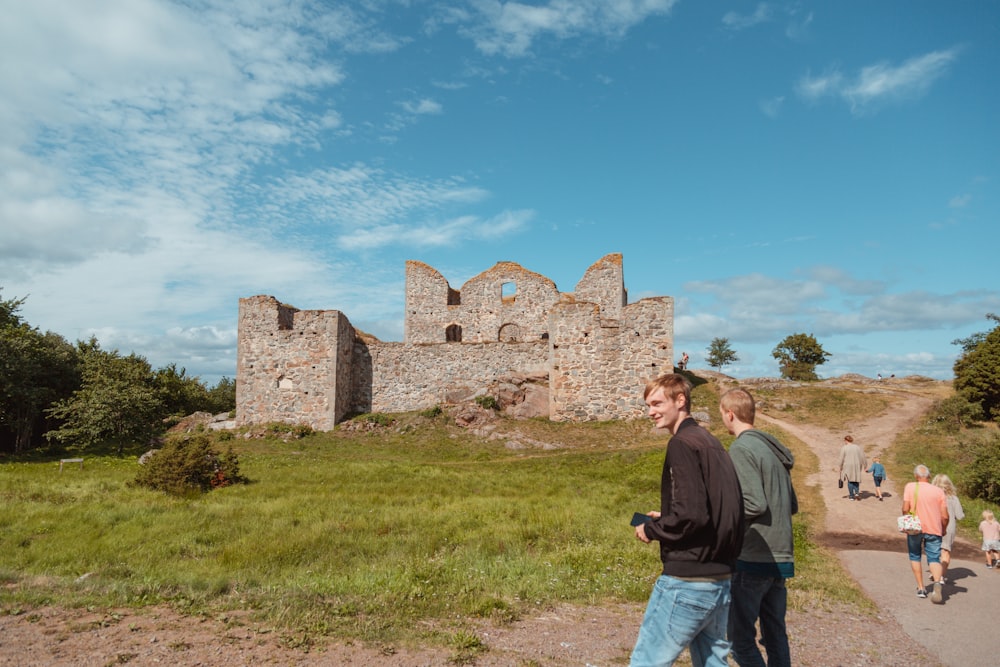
column 375, row 536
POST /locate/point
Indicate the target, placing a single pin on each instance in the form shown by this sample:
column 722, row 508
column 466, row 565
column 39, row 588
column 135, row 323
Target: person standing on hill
column 852, row 464
column 928, row 502
column 700, row 530
column 763, row 466
column 955, row 514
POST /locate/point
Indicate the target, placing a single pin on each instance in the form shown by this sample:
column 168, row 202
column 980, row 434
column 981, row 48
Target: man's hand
column 640, row 530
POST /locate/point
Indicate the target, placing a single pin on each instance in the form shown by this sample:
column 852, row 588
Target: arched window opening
column 509, row 333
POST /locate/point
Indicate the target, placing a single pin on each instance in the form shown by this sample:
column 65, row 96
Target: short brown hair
column 741, row 403
column 673, row 385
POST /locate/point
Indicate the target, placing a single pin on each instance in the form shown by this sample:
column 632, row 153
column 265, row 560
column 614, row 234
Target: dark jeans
column 853, row 488
column 764, row 597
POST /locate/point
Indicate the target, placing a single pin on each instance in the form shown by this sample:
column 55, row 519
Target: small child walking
column 878, row 475
column 990, row 529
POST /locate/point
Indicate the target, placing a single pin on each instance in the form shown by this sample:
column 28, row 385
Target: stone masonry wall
column 596, row 349
column 600, row 366
column 414, row 377
column 289, row 362
column 482, row 311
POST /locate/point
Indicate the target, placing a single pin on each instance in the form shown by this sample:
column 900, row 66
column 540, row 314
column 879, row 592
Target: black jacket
column 701, row 526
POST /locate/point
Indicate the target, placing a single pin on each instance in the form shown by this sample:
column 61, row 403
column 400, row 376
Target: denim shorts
column 931, row 545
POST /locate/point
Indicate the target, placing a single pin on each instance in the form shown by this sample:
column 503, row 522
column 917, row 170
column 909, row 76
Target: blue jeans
column 680, row 614
column 853, row 488
column 767, row 598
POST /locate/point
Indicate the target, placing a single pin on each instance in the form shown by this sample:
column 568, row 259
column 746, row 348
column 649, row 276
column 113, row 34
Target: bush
column 286, row 430
column 957, row 411
column 187, row 465
column 981, row 477
column 487, row 403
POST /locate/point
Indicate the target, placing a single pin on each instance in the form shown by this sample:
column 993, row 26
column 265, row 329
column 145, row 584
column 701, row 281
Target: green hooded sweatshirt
column 764, row 466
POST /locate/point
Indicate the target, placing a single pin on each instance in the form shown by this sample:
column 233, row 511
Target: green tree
column 720, row 353
column 798, row 356
column 981, row 473
column 36, row 370
column 117, row 403
column 222, row 397
column 977, row 370
column 180, row 394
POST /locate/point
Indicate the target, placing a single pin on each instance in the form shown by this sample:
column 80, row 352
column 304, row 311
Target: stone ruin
column 508, row 333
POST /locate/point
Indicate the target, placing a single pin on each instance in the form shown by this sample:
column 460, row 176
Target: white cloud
column 423, row 106
column 436, row 234
column 880, row 83
column 736, row 21
column 771, row 107
column 512, row 28
column 798, row 27
column 363, row 197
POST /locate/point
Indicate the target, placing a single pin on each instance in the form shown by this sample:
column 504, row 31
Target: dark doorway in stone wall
column 453, row 334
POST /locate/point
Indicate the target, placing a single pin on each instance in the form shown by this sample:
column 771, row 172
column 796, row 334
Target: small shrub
column 187, row 465
column 285, row 430
column 957, row 411
column 431, row 413
column 487, row 402
column 379, row 418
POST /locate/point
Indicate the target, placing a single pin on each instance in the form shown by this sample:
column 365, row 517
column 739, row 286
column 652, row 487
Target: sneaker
column 936, row 597
column 921, row 593
column 989, row 566
column 880, row 498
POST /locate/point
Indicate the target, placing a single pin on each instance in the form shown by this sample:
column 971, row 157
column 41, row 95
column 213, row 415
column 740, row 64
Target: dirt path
column 959, row 632
column 846, row 521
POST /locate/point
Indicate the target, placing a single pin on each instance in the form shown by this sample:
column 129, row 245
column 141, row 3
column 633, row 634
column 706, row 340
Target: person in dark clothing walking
column 764, row 467
column 700, row 529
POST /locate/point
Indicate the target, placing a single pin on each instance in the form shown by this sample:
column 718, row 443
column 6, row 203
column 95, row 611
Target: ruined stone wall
column 415, row 377
column 597, row 350
column 604, row 284
column 292, row 365
column 600, row 365
column 482, row 311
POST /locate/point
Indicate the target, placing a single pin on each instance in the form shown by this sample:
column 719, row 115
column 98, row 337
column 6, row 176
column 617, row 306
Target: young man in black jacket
column 700, row 530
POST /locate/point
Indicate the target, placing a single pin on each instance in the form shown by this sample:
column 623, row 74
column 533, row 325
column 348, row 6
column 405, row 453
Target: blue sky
column 776, row 167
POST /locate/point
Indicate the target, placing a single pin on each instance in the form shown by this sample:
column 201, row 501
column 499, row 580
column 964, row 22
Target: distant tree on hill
column 720, row 353
column 977, row 370
column 798, row 356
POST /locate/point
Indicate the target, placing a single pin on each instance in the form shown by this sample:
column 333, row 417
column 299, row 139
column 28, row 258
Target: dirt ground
column 592, row 636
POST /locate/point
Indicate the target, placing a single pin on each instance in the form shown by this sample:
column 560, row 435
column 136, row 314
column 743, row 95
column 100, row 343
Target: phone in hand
column 639, row 518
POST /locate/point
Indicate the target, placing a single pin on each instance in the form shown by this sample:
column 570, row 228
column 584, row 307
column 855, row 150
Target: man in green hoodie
column 763, row 466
